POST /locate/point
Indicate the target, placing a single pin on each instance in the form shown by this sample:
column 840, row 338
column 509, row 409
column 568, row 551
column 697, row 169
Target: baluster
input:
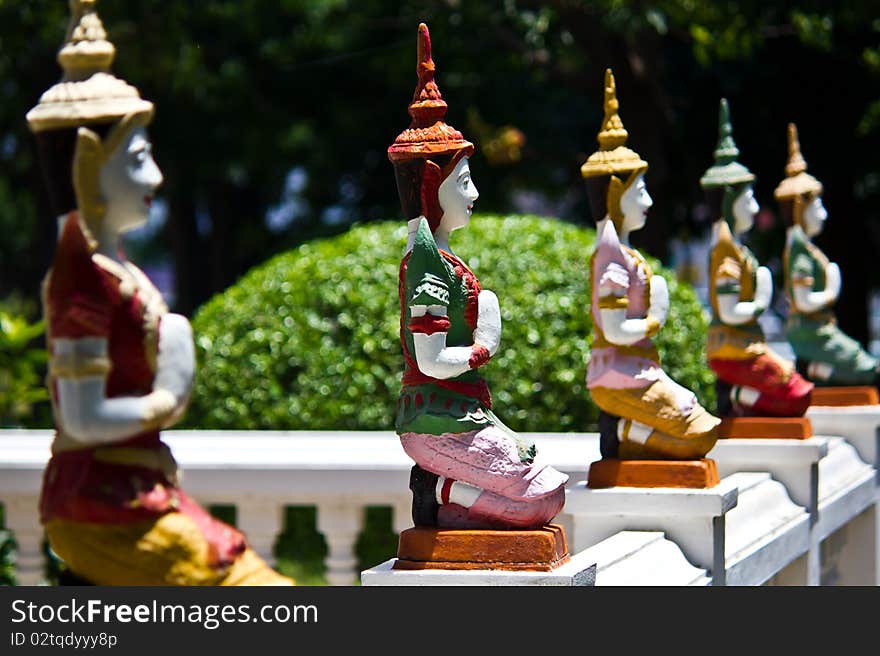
column 341, row 524
column 261, row 521
column 23, row 519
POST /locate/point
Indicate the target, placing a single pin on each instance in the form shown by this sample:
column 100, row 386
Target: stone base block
column 845, row 396
column 773, row 428
column 542, row 549
column 612, row 472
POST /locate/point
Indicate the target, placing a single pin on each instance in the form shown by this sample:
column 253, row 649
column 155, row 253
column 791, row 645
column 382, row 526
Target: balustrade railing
column 342, row 473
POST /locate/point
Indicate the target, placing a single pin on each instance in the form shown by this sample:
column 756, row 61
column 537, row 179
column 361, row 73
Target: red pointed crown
column 428, row 134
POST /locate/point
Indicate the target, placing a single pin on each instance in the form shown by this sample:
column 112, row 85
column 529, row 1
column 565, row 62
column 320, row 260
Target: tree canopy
column 284, row 110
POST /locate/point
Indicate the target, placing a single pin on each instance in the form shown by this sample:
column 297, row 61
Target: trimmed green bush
column 24, row 399
column 7, row 552
column 310, row 339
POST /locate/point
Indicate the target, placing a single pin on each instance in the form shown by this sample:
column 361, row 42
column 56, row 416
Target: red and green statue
column 471, row 470
column 120, row 364
column 752, row 379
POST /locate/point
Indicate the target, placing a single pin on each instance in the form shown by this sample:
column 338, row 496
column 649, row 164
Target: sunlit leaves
column 309, row 340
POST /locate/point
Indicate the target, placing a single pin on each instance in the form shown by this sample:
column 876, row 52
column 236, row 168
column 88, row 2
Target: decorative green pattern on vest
column 431, row 280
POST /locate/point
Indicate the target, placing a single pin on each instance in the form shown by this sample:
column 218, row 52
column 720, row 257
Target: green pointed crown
column 726, row 170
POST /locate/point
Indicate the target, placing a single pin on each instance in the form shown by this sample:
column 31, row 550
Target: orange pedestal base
column 843, row 396
column 777, row 428
column 611, row 472
column 540, row 549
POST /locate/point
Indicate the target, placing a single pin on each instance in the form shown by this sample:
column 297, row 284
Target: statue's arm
column 488, row 330
column 81, row 365
column 734, row 312
column 613, row 305
column 429, row 327
column 806, row 300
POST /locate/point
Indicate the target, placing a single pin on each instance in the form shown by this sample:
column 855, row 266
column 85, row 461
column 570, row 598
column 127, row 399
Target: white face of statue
column 457, row 194
column 745, row 207
column 128, row 182
column 814, row 217
column 634, row 205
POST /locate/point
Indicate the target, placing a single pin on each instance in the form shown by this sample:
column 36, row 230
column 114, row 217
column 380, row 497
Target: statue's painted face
column 634, row 205
column 128, row 181
column 457, row 195
column 745, row 207
column 814, row 217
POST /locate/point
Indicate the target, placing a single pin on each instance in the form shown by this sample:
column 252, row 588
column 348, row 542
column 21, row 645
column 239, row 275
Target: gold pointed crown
column 797, row 180
column 87, row 92
column 613, row 157
column 428, row 134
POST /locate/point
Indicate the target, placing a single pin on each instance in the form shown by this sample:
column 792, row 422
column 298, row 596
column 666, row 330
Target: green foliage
column 234, row 81
column 7, row 552
column 378, row 541
column 22, row 367
column 300, row 549
column 310, row 339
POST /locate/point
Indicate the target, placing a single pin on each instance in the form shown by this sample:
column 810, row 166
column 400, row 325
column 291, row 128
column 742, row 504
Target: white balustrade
column 341, row 473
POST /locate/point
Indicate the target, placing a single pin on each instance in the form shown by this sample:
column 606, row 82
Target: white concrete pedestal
column 692, row 518
column 643, row 558
column 847, row 532
column 579, row 571
column 859, row 425
column 794, row 463
column 766, row 532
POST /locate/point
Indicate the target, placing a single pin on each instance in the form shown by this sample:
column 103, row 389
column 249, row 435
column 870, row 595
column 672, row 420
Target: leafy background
column 310, row 339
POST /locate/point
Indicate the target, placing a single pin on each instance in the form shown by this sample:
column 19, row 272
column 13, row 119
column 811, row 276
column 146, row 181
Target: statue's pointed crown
column 613, row 157
column 796, row 162
column 726, row 170
column 797, row 180
column 87, row 92
column 428, row 134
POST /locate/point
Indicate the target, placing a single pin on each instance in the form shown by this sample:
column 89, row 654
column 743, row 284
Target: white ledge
column 692, row 518
column 765, row 532
column 794, row 463
column 847, row 487
column 579, row 571
column 643, row 558
column 860, row 425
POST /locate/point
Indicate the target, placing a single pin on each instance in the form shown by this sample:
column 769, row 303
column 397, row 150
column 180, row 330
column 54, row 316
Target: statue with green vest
column 471, row 471
column 825, row 354
column 752, row 379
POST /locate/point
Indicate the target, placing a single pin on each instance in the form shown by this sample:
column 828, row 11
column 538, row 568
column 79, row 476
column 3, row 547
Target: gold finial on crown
column 612, row 134
column 796, row 162
column 87, row 92
column 86, row 49
column 613, row 157
column 797, row 181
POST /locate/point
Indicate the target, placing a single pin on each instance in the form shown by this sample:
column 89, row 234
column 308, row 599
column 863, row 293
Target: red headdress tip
column 427, row 134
